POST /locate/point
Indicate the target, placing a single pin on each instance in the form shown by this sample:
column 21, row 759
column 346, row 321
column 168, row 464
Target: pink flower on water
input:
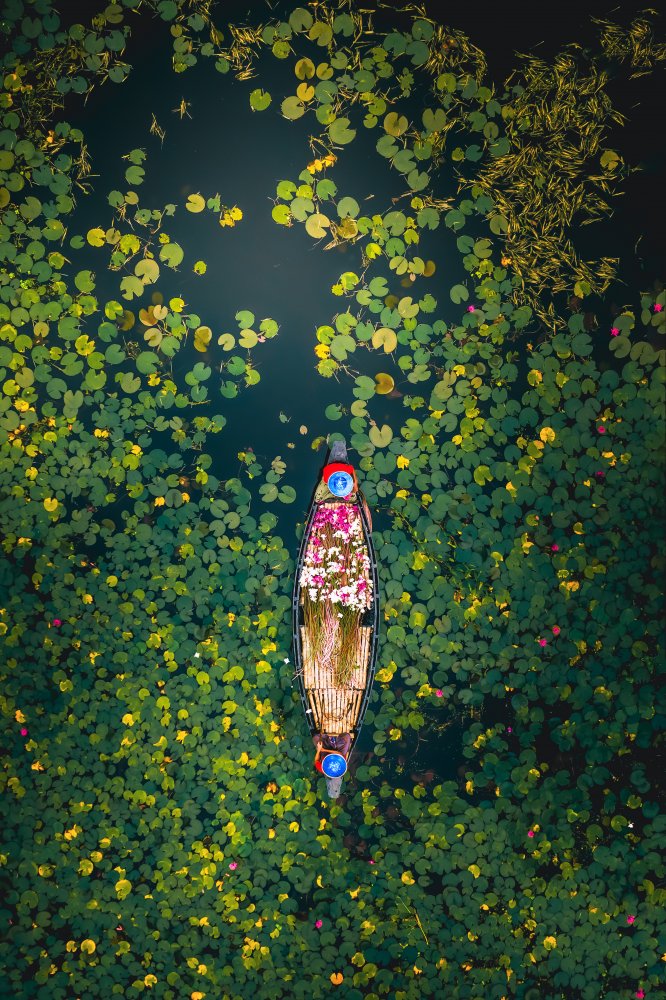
column 658, row 307
column 233, row 865
column 509, row 729
column 372, row 862
column 24, row 731
column 614, row 331
column 601, row 429
column 555, row 548
column 600, row 474
column 543, row 642
column 639, row 994
column 56, row 621
column 631, row 918
column 471, row 309
column 319, row 923
column 530, row 833
column 556, row 629
column 439, row 692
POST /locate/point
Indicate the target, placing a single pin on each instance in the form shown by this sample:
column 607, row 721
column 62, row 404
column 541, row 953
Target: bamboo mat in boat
column 335, row 710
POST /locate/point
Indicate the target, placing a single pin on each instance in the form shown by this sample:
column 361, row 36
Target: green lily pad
column 459, row 294
column 382, row 436
column 293, row 108
column 195, row 203
column 316, row 225
column 340, row 133
column 260, row 100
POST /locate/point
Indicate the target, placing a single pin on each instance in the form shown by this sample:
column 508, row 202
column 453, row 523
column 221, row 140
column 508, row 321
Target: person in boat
column 327, row 742
column 337, row 744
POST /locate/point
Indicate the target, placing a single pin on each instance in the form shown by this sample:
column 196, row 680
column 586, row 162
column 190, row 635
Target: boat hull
column 334, row 709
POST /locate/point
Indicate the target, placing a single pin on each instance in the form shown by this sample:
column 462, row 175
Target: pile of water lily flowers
column 338, row 588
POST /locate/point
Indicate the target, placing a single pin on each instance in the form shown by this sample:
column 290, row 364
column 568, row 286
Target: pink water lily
column 319, row 923
column 530, row 833
column 601, row 429
column 24, row 731
column 439, row 692
column 614, row 331
column 371, row 862
column 555, row 548
column 639, row 994
column 556, row 629
column 543, row 642
column 233, row 865
column 56, row 621
column 631, row 918
column 471, row 309
column 509, row 729
column 658, row 307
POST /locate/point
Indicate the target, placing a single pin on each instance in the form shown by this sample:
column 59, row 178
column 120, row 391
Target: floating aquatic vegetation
column 163, row 829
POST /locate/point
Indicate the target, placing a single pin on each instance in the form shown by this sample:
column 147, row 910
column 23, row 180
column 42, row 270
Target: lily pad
column 202, row 338
column 386, row 338
column 260, row 100
column 382, row 436
column 384, row 383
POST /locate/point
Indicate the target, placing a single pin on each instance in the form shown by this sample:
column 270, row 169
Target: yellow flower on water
column 402, row 462
column 322, row 350
column 159, row 501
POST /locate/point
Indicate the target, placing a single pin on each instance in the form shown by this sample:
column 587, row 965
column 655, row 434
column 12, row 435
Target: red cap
column 334, row 467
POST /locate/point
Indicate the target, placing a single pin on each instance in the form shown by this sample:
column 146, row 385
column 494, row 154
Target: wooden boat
column 332, row 706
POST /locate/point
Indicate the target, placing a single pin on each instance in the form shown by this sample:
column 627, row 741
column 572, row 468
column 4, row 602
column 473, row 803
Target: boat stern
column 334, row 787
